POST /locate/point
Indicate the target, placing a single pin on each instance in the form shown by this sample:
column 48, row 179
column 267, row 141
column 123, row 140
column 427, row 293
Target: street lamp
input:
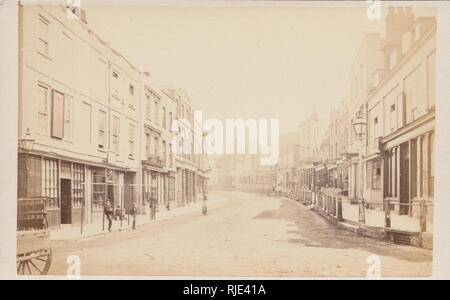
column 359, row 125
column 27, row 143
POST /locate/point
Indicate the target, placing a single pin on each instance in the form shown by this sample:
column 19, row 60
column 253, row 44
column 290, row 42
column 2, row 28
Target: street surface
column 243, row 235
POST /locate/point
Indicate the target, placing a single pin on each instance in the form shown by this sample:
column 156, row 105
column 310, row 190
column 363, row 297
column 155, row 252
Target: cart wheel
column 38, row 263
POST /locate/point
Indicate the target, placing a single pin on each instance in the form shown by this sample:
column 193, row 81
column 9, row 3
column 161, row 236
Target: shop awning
column 320, row 168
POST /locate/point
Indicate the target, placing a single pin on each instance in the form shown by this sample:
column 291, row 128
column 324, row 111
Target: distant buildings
column 378, row 147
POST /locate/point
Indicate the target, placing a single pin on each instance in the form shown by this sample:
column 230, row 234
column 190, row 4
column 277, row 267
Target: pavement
column 376, row 218
column 74, row 232
column 244, row 235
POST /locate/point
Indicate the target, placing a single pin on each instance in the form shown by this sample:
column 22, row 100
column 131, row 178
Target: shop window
column 78, row 185
column 98, row 189
column 373, row 174
column 50, row 180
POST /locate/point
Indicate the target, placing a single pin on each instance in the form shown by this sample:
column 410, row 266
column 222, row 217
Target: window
column 155, row 146
column 170, row 120
column 131, row 139
column 116, row 135
column 67, row 117
column 43, row 109
column 101, row 129
column 58, row 115
column 417, row 33
column 414, row 91
column 375, row 131
column 147, row 145
column 98, row 189
column 61, row 115
column 164, row 117
column 50, row 180
column 376, row 175
column 115, row 85
column 86, row 125
column 164, row 152
column 170, row 156
column 131, row 90
column 156, row 120
column 393, row 59
column 132, row 100
column 393, row 119
column 147, row 106
column 43, row 36
column 406, row 42
column 77, row 185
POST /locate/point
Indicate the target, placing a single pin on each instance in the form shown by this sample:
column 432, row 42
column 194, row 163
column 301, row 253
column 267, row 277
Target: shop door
column 66, row 201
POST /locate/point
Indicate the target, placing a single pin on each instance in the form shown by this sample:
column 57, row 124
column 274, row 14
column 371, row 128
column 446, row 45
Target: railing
column 413, row 216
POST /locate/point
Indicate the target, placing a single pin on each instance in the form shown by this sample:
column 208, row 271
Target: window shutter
column 58, row 115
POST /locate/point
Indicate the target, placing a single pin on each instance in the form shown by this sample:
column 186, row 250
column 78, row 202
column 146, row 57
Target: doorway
column 404, row 179
column 66, row 201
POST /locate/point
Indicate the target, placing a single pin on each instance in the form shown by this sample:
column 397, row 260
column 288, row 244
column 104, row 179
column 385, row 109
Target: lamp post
column 359, row 125
column 27, row 143
column 360, row 128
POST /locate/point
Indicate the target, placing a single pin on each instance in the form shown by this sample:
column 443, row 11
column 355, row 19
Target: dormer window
column 393, row 59
column 417, row 33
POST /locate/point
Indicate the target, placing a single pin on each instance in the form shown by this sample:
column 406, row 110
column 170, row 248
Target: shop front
column 61, row 182
column 409, row 169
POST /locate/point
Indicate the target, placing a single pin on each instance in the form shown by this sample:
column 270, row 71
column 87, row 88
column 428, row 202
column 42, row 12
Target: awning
column 320, row 168
column 331, row 167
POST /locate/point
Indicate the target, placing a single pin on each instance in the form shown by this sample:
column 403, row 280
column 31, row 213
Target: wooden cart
column 34, row 253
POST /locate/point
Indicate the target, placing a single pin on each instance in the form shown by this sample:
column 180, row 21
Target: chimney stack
column 398, row 21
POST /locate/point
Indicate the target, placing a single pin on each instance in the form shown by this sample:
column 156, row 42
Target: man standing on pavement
column 133, row 213
column 109, row 212
column 204, row 203
column 152, row 208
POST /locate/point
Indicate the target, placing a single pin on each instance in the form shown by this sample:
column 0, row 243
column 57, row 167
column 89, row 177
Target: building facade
column 100, row 129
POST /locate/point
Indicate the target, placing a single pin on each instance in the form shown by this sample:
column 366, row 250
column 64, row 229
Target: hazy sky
column 242, row 62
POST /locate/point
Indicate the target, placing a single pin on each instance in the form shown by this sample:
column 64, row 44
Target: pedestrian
column 133, row 213
column 109, row 212
column 204, row 204
column 152, row 208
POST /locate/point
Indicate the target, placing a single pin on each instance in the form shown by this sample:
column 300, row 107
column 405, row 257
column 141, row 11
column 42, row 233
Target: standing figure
column 204, row 204
column 133, row 213
column 109, row 212
column 152, row 208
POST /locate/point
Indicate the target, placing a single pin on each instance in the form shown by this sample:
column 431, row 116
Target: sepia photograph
column 255, row 139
